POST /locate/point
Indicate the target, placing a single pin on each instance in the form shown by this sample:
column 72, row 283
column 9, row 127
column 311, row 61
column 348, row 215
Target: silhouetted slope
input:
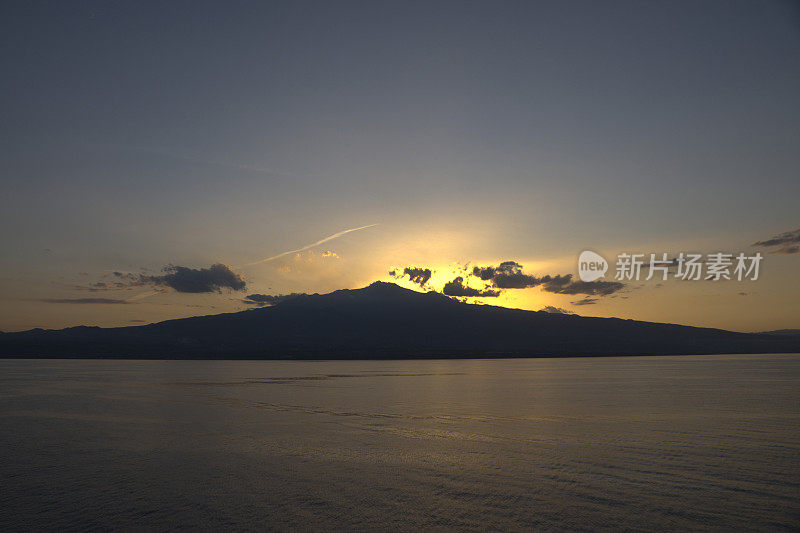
column 782, row 332
column 384, row 321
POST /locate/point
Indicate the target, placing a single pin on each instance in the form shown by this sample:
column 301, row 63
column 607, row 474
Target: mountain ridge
column 381, row 321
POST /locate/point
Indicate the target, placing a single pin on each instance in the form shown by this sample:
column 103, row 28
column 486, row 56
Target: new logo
column 591, row 266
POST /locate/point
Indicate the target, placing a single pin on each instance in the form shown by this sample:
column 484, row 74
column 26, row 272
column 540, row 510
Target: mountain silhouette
column 384, row 320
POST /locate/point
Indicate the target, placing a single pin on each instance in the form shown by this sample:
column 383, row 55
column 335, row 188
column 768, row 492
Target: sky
column 314, row 146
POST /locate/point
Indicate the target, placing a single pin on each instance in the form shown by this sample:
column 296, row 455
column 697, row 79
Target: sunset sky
column 447, row 135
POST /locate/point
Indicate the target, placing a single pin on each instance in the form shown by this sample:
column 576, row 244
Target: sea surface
column 580, row 444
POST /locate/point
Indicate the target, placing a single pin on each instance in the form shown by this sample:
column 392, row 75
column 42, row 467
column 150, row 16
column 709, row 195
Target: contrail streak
column 304, row 248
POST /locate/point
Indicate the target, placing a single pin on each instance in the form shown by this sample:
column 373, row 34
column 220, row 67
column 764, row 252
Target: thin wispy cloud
column 83, row 301
column 309, row 246
column 785, row 243
column 143, row 295
column 270, row 299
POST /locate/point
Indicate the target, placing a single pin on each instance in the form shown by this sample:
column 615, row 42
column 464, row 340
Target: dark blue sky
column 139, row 133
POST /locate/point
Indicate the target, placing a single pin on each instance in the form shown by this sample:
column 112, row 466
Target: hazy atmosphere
column 398, row 265
column 307, row 147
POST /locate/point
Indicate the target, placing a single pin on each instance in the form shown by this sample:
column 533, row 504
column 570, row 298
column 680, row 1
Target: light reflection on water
column 705, row 442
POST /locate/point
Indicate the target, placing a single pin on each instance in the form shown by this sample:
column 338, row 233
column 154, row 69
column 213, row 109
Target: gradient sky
column 135, row 135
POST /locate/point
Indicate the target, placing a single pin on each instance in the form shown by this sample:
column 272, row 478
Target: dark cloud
column 586, row 301
column 556, row 310
column 269, row 299
column 593, row 288
column 507, row 275
column 457, row 288
column 787, row 243
column 420, row 276
column 84, row 301
column 197, row 280
column 101, row 286
column 555, row 283
column 180, row 278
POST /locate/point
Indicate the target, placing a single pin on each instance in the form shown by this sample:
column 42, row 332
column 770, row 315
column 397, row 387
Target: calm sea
column 640, row 444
